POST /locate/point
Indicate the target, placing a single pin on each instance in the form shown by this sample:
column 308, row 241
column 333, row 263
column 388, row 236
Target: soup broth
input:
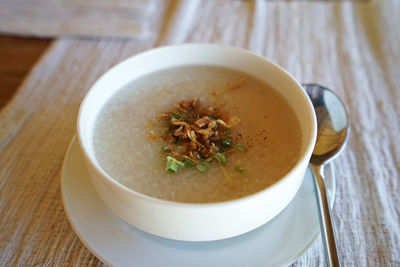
column 268, row 130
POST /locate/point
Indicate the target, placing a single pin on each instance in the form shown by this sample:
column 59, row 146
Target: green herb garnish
column 239, row 169
column 226, row 143
column 189, row 163
column 178, row 116
column 164, row 148
column 173, row 164
column 172, row 159
column 202, row 166
column 209, row 159
column 228, row 132
column 241, row 147
column 172, row 167
column 220, row 157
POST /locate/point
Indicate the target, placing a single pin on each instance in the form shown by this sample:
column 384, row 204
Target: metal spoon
column 332, row 136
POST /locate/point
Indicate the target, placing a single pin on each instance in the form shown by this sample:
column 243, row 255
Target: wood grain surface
column 17, row 56
column 351, row 47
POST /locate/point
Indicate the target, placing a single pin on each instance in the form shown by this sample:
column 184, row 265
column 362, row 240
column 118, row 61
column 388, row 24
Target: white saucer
column 277, row 243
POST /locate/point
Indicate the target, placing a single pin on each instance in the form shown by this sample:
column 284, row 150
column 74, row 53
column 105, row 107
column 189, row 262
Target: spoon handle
column 326, row 223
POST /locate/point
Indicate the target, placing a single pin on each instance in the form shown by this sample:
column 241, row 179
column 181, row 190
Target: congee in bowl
column 197, row 134
column 196, row 142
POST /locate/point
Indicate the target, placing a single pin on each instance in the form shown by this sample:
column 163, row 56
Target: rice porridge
column 128, row 135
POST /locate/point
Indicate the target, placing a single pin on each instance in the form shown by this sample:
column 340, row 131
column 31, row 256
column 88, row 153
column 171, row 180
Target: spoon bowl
column 332, row 135
column 333, row 123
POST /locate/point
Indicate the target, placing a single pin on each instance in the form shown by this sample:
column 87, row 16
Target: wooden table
column 17, row 56
column 351, row 47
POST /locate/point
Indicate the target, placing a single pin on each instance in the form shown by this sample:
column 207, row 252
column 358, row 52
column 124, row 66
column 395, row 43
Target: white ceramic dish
column 196, row 222
column 278, row 243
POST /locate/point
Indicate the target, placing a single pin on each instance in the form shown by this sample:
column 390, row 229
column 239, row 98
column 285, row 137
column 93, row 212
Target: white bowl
column 196, row 222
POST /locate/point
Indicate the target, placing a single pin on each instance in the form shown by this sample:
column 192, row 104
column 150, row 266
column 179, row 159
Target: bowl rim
column 105, row 176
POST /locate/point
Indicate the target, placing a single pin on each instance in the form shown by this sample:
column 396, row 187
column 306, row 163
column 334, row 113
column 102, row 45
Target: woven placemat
column 351, row 47
column 76, row 18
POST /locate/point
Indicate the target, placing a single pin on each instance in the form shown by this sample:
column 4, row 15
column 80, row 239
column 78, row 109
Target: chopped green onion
column 239, row 169
column 209, row 159
column 178, row 116
column 173, row 164
column 228, row 132
column 202, row 166
column 220, row 157
column 241, row 147
column 172, row 159
column 189, row 163
column 164, row 148
column 172, row 167
column 226, row 143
